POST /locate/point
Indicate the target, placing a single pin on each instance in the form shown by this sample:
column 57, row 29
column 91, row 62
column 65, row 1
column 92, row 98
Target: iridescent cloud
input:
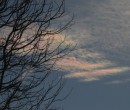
column 96, row 74
column 73, row 64
column 90, row 71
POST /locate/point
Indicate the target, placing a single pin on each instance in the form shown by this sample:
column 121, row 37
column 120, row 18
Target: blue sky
column 99, row 71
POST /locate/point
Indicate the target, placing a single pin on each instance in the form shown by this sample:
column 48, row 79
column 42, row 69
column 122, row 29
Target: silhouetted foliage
column 28, row 53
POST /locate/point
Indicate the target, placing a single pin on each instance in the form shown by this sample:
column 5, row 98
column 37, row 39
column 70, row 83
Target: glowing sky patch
column 49, row 41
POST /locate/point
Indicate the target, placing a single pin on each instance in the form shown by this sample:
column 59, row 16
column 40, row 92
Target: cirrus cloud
column 92, row 70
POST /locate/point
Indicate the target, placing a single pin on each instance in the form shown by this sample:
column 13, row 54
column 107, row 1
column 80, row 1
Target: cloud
column 97, row 74
column 91, row 70
column 50, row 42
column 118, row 81
column 74, row 64
column 106, row 33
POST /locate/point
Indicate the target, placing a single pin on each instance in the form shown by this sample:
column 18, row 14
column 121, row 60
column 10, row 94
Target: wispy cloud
column 107, row 36
column 90, row 71
column 74, row 64
column 118, row 81
column 96, row 74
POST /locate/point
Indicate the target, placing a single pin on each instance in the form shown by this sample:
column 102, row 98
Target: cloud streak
column 92, row 70
column 96, row 74
column 73, row 64
column 119, row 81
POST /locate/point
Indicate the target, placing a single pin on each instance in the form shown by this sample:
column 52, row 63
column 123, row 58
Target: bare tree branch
column 29, row 52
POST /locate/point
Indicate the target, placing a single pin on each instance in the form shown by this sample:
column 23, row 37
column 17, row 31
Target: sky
column 99, row 70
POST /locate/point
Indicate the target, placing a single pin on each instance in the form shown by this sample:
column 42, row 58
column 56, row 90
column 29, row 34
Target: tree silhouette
column 29, row 52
